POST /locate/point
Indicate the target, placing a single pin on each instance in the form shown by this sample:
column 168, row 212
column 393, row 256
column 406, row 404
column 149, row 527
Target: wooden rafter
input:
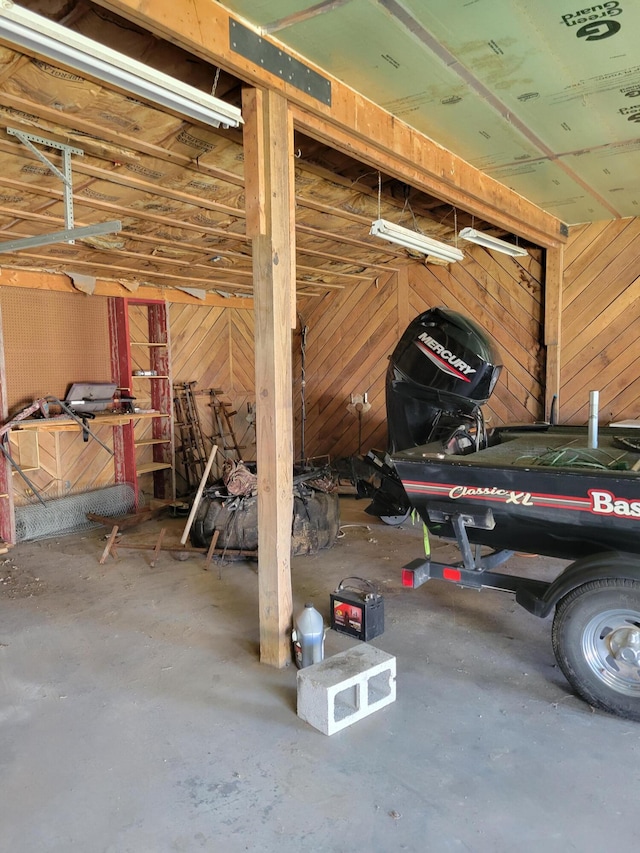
column 351, row 123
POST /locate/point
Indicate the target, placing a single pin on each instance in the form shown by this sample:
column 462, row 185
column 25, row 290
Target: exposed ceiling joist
column 362, row 128
column 178, row 189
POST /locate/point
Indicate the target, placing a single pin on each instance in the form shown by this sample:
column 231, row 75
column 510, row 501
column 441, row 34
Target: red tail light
column 451, row 574
column 407, row 577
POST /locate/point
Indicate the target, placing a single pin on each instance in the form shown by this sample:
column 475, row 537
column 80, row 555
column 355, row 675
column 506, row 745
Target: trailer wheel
column 596, row 641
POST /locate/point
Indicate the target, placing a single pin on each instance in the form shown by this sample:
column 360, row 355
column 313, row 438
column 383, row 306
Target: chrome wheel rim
column 611, row 648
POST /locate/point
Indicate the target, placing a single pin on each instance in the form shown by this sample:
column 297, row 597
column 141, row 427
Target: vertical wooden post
column 402, row 296
column 268, row 150
column 553, row 280
column 161, row 396
column 7, row 516
column 124, row 461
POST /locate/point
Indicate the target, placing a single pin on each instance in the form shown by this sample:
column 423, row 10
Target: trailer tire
column 596, row 641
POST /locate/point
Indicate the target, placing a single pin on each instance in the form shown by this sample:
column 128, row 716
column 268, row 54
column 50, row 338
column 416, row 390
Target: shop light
column 492, row 243
column 44, row 38
column 414, row 240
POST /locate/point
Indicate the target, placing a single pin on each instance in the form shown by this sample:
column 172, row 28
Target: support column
column 7, row 517
column 124, row 458
column 553, row 279
column 269, row 182
column 402, row 291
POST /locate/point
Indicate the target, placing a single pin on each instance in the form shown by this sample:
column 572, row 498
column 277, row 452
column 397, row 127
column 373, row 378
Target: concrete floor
column 135, row 717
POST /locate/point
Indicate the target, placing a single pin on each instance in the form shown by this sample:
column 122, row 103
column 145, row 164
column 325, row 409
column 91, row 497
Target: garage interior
column 138, row 712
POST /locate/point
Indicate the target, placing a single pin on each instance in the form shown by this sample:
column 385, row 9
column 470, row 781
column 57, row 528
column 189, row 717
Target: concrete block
column 342, row 689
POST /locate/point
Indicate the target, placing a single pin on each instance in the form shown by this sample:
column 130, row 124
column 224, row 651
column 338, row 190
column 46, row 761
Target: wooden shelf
column 69, row 425
column 147, row 446
column 147, row 467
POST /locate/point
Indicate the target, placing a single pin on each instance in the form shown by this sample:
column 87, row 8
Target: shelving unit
column 145, row 446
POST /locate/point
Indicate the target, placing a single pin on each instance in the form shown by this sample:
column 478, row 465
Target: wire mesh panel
column 69, row 514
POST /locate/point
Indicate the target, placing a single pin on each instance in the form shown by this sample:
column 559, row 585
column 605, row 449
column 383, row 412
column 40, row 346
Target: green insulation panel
column 543, row 96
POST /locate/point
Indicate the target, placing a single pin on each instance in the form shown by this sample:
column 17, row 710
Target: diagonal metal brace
column 68, row 235
column 82, row 424
column 65, row 175
column 18, row 469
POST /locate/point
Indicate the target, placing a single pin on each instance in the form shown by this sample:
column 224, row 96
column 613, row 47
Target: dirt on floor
column 135, row 715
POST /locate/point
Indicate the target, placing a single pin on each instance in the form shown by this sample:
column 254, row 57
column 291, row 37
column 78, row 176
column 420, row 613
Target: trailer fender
column 609, row 564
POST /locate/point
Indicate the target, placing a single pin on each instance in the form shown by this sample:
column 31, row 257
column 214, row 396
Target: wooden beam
column 351, row 123
column 59, row 282
column 553, row 281
column 95, row 174
column 402, row 289
column 120, row 139
column 124, row 459
column 269, row 182
column 403, row 153
column 7, row 516
column 125, row 212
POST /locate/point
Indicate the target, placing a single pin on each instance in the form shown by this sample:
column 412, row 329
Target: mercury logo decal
column 443, row 358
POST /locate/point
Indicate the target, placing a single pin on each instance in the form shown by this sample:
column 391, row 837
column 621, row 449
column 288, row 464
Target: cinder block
column 346, row 687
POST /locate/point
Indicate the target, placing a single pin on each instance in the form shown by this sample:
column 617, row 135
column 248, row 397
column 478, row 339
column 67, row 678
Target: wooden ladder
column 223, row 433
column 191, row 447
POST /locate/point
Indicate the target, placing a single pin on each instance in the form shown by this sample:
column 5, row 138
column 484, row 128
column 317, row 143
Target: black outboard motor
column 440, row 373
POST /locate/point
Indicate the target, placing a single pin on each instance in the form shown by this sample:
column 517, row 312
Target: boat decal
column 606, row 503
column 597, row 501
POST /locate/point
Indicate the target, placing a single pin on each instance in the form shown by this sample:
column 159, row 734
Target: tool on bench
column 42, row 405
column 37, row 405
column 81, row 420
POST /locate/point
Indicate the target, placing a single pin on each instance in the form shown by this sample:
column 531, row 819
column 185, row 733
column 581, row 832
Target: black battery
column 357, row 609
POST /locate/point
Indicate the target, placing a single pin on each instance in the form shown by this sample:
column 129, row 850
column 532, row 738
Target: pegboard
column 50, row 341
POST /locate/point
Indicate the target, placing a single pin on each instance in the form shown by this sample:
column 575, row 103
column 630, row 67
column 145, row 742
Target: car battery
column 357, row 610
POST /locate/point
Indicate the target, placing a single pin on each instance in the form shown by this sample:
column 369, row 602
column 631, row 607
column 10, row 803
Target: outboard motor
column 442, row 370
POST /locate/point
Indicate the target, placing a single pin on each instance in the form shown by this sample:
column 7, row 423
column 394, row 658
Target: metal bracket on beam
column 265, row 54
column 111, row 227
column 70, row 233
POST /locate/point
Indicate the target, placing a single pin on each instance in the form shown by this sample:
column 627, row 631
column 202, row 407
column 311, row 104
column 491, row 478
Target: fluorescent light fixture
column 415, row 241
column 42, row 37
column 493, row 243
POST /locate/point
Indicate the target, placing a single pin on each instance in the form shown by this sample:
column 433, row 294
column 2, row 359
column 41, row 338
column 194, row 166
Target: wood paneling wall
column 351, row 334
column 67, row 464
column 600, row 321
column 214, row 348
column 52, row 340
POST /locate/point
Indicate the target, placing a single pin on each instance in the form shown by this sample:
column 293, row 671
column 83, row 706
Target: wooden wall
column 215, row 348
column 600, row 321
column 352, row 332
column 52, row 340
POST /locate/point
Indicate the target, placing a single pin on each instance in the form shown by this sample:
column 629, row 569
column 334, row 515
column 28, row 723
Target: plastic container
column 308, row 637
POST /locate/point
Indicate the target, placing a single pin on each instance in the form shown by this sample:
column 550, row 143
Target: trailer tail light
column 407, row 577
column 449, row 574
